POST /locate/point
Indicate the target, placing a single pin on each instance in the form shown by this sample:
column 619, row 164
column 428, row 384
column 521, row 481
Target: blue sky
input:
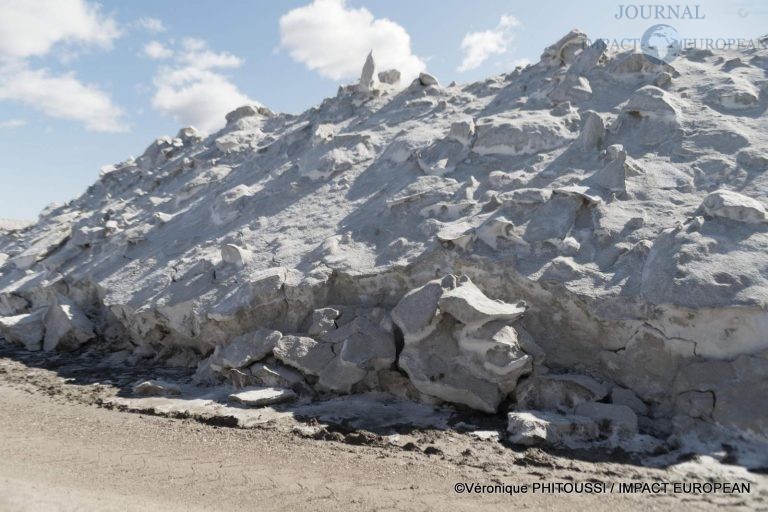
column 84, row 84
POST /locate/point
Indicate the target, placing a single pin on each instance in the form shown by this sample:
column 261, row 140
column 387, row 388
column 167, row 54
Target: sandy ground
column 60, row 451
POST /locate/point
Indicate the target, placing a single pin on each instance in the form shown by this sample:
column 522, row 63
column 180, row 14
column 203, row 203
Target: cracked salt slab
column 372, row 411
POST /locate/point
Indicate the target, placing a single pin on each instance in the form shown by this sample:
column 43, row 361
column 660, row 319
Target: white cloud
column 150, row 24
column 479, row 46
column 333, row 39
column 157, row 50
column 13, row 123
column 61, row 96
column 194, row 91
column 32, row 27
column 206, row 59
column 193, row 44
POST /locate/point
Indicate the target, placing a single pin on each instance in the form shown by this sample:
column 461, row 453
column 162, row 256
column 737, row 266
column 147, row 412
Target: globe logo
column 661, row 44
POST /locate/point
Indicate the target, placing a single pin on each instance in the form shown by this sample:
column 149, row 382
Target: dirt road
column 60, row 453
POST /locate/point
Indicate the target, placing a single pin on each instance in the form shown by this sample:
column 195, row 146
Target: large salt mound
column 595, row 186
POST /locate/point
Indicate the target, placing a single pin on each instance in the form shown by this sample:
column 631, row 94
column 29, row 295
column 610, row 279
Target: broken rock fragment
column 366, row 83
column 305, row 354
column 459, row 344
column 245, row 349
column 261, row 397
column 26, row 329
column 415, row 313
column 390, row 76
column 493, row 229
column 441, row 157
column 157, row 388
column 592, row 131
column 341, row 357
column 364, row 344
column 470, row 306
column 732, row 205
column 189, row 135
column 564, row 51
column 237, row 256
column 462, row 131
column 613, row 176
column 275, row 375
column 248, row 111
column 157, row 153
column 553, row 219
column 426, row 80
column 66, row 326
column 571, row 88
column 650, row 117
column 548, row 428
column 589, row 57
column 652, row 102
column 323, row 320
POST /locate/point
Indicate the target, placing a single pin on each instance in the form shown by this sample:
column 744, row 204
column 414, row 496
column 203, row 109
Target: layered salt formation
column 584, row 240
